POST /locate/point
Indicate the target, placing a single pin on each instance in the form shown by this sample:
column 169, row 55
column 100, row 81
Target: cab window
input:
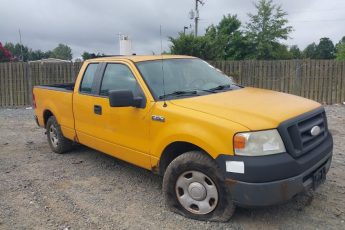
column 89, row 76
column 119, row 77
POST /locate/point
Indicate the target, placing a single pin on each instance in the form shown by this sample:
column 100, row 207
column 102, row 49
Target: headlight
column 258, row 143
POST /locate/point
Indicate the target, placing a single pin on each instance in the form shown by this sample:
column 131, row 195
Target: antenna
column 160, row 35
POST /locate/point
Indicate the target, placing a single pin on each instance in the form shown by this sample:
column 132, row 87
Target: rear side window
column 119, row 77
column 89, row 75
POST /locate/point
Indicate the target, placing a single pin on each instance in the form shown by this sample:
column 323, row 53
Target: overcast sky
column 93, row 26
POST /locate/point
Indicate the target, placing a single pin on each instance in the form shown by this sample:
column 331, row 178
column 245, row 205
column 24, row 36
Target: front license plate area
column 319, row 177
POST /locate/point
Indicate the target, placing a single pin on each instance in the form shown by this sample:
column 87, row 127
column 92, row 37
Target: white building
column 125, row 45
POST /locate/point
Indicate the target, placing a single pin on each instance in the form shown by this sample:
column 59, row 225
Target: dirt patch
column 88, row 189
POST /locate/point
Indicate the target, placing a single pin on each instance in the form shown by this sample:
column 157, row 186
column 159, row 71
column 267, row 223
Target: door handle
column 97, row 109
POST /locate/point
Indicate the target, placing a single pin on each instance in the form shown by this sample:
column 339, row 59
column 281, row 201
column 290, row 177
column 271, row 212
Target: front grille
column 296, row 132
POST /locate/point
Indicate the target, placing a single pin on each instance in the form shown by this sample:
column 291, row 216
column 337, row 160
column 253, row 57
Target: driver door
column 124, row 131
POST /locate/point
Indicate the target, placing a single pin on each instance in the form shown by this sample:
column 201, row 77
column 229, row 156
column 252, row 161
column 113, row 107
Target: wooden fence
column 17, row 79
column 320, row 80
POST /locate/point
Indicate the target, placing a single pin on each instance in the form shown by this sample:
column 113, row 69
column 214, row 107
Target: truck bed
column 59, row 87
column 57, row 99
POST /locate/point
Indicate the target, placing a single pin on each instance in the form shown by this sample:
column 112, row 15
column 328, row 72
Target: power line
column 322, row 20
column 320, row 10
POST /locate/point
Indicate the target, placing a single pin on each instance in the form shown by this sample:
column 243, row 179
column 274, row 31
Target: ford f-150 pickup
column 217, row 144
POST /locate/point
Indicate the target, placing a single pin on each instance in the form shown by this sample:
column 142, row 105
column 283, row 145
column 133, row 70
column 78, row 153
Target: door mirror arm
column 139, row 102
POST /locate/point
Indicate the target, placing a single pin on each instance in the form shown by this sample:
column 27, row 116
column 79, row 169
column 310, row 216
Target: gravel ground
column 86, row 189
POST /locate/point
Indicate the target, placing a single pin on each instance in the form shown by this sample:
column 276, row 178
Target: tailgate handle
column 97, row 109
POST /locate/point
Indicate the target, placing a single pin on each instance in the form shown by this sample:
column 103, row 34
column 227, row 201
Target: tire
column 190, row 185
column 57, row 142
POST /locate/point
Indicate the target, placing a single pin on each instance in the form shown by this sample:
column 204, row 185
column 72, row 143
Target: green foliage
column 340, row 49
column 38, row 55
column 311, row 51
column 227, row 40
column 87, row 55
column 326, row 49
column 188, row 44
column 18, row 51
column 62, row 52
column 280, row 51
column 23, row 53
column 295, row 52
column 341, row 42
column 340, row 55
column 224, row 41
column 266, row 28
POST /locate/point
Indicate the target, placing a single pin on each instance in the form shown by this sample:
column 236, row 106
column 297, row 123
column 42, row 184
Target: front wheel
column 193, row 187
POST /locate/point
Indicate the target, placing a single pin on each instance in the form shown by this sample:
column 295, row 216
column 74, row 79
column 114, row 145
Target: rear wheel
column 57, row 142
column 193, row 187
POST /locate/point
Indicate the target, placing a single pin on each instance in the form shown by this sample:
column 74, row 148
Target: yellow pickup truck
column 217, row 144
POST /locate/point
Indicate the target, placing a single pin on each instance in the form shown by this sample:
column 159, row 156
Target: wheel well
column 46, row 115
column 174, row 150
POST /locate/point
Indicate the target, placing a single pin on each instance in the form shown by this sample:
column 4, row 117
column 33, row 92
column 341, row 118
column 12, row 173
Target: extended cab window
column 119, row 77
column 89, row 75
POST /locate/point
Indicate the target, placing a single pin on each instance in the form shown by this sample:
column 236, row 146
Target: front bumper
column 275, row 192
column 274, row 179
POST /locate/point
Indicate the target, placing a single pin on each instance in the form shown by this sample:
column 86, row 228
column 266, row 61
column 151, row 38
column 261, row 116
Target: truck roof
column 138, row 58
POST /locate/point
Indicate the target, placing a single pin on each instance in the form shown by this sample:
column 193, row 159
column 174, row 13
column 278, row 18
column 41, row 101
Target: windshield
column 182, row 75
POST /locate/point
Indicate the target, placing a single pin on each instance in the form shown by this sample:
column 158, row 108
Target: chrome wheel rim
column 53, row 136
column 196, row 192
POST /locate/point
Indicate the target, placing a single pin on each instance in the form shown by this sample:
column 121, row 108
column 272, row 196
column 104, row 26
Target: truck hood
column 253, row 108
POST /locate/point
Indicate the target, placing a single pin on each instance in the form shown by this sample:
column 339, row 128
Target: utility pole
column 184, row 29
column 196, row 19
column 21, row 46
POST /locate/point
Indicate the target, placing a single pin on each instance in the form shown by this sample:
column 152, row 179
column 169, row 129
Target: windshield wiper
column 219, row 87
column 179, row 93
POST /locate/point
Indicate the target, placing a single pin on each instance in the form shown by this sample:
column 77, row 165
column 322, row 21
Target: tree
column 226, row 39
column 342, row 41
column 23, row 53
column 38, row 55
column 5, row 54
column 326, row 49
column 340, row 49
column 188, row 44
column 295, row 52
column 266, row 28
column 311, row 51
column 280, row 51
column 62, row 52
column 341, row 52
column 19, row 51
column 87, row 55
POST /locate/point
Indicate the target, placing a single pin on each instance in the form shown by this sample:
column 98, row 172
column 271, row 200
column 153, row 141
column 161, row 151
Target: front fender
column 213, row 135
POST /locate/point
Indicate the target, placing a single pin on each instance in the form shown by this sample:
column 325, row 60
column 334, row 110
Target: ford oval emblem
column 315, row 130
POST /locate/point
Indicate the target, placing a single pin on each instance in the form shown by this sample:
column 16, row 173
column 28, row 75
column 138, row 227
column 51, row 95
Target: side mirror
column 125, row 98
